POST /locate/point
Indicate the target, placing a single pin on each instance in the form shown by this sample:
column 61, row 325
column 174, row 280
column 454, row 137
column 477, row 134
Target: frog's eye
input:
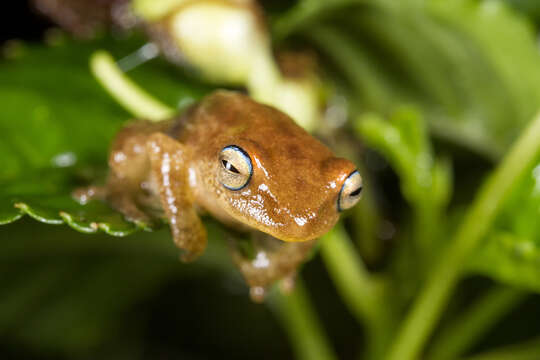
column 235, row 168
column 350, row 191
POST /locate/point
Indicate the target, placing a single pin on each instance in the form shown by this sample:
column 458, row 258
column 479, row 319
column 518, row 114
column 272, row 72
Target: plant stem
column 427, row 308
column 426, row 224
column 366, row 223
column 132, row 97
column 305, row 11
column 300, row 322
column 348, row 273
column 357, row 288
column 468, row 328
column 529, row 350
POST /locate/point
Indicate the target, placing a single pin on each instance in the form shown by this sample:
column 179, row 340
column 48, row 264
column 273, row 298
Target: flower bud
column 300, row 99
column 226, row 40
column 228, row 43
column 298, row 93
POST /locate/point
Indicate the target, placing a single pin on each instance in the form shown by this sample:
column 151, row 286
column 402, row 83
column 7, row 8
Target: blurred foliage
column 423, row 81
column 76, row 296
column 511, row 251
column 470, row 65
column 530, row 8
column 79, row 120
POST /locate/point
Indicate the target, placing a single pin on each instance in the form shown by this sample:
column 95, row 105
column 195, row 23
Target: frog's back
column 227, row 116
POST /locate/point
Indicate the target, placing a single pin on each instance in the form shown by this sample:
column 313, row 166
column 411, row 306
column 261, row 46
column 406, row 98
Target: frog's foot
column 287, row 284
column 272, row 260
column 260, row 281
column 85, row 194
column 190, row 238
column 128, row 207
column 257, row 293
column 260, row 285
column 188, row 256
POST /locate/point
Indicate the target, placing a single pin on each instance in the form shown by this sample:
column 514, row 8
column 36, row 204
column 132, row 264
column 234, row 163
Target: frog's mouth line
column 283, row 223
column 278, row 233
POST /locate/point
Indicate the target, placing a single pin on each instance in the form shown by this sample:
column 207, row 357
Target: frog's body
column 247, row 164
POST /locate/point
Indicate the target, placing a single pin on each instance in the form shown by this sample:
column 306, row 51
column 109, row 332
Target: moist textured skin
column 172, row 167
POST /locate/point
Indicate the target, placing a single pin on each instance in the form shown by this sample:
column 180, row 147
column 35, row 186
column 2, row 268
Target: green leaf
column 529, row 7
column 472, row 67
column 67, row 293
column 404, row 143
column 511, row 253
column 57, row 123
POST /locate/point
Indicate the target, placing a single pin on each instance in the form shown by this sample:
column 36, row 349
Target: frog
column 248, row 165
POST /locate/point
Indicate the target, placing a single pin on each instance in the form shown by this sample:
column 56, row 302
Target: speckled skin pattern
column 172, row 166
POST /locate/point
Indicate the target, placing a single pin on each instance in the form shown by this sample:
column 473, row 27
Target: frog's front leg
column 169, row 174
column 271, row 260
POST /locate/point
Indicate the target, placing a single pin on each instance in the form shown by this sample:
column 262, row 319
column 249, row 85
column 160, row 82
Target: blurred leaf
column 529, row 7
column 472, row 67
column 63, row 292
column 425, row 180
column 511, row 253
column 57, row 123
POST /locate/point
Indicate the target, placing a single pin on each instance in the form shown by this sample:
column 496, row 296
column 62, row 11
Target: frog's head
column 277, row 178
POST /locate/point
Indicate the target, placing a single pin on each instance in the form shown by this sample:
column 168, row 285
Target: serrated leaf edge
column 66, row 218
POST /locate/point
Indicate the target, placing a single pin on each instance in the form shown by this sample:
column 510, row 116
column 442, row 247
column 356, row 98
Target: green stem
column 300, row 322
column 348, row 273
column 133, row 98
column 305, row 11
column 366, row 222
column 467, row 329
column 529, row 350
column 430, row 303
column 427, row 221
column 357, row 288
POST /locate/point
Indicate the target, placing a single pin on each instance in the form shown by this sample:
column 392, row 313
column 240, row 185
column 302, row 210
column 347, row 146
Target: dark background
column 202, row 316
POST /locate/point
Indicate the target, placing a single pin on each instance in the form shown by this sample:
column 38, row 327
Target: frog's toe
column 85, row 194
column 191, row 240
column 288, row 283
column 257, row 293
column 145, row 223
column 189, row 256
column 128, row 207
column 137, row 216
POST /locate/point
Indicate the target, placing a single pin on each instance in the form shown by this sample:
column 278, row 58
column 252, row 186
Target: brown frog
column 248, row 165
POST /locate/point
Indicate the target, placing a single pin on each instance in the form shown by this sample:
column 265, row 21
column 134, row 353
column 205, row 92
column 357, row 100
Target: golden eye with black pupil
column 227, row 165
column 236, row 169
column 350, row 192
